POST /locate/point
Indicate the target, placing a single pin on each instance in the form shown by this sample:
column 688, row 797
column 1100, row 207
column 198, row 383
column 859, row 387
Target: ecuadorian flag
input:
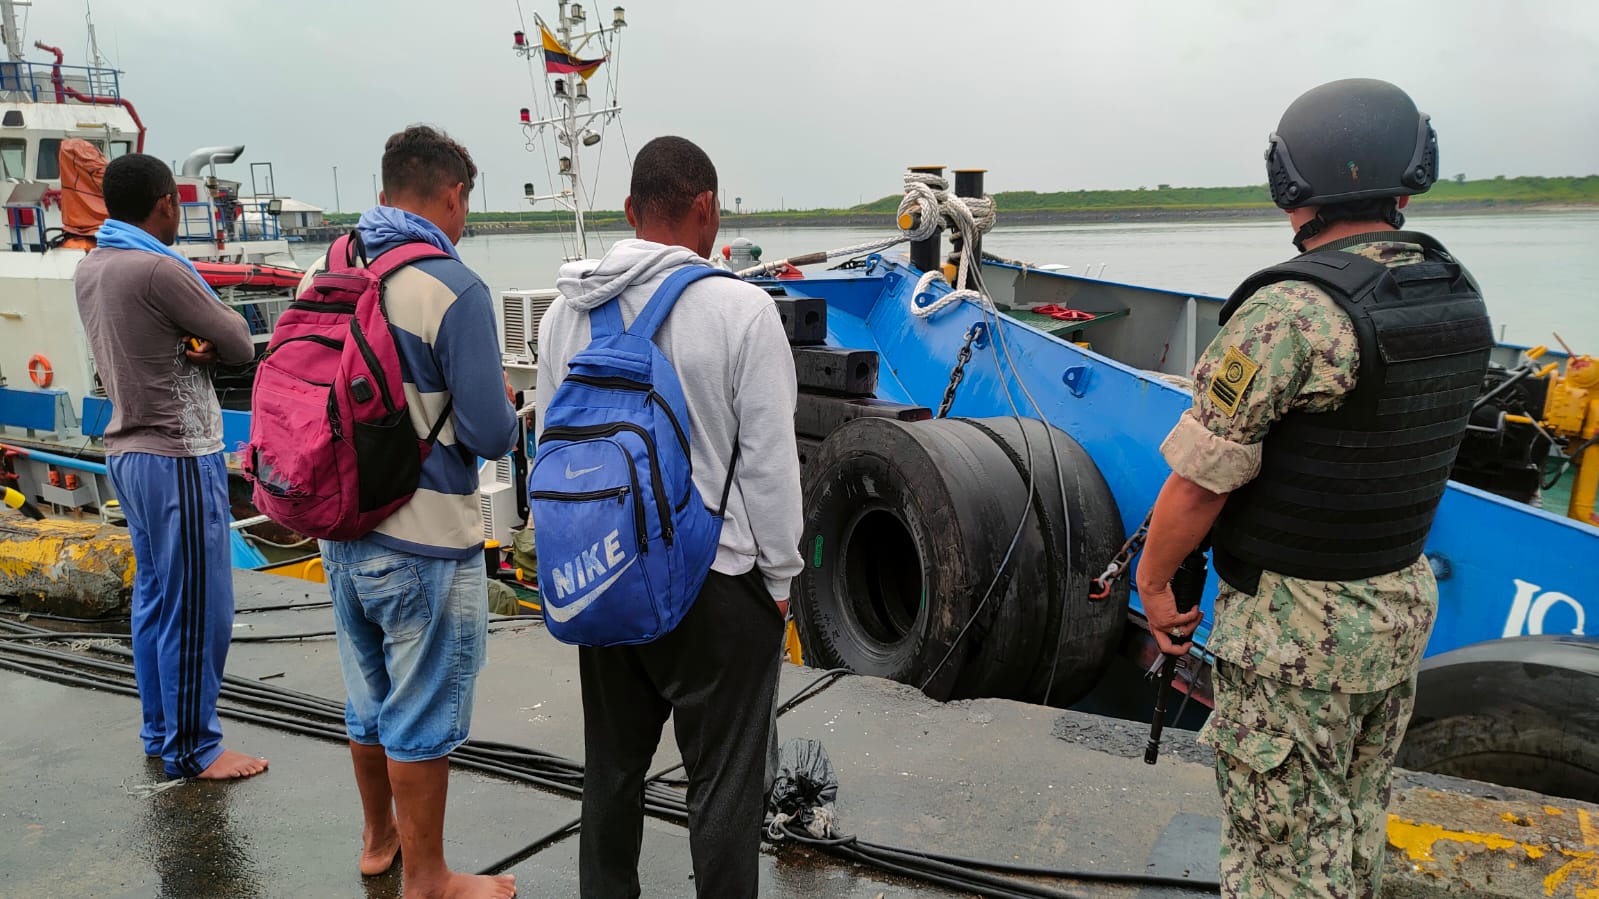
column 558, row 61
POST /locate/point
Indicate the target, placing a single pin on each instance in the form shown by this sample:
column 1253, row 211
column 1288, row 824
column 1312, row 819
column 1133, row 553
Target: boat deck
column 995, row 779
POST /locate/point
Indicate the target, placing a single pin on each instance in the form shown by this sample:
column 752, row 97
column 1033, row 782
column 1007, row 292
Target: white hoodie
column 726, row 342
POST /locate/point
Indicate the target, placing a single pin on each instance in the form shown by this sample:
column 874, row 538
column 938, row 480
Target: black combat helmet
column 1346, row 143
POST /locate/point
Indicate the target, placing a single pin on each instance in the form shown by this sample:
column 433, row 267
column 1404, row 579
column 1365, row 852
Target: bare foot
column 466, row 886
column 379, row 849
column 230, row 765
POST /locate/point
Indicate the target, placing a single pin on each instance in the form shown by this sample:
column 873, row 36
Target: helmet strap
column 1339, row 212
column 1309, row 230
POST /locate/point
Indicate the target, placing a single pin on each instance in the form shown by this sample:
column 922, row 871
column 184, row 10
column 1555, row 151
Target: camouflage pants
column 1304, row 778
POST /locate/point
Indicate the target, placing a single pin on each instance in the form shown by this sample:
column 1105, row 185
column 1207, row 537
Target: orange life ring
column 39, row 370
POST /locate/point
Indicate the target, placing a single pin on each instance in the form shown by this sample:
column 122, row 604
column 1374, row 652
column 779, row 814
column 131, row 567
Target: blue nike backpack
column 623, row 537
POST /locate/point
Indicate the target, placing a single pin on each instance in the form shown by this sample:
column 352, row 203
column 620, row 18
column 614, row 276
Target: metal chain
column 1099, row 587
column 959, row 373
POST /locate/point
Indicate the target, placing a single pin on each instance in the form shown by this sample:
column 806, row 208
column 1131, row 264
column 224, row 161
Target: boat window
column 120, row 148
column 49, row 158
column 14, row 157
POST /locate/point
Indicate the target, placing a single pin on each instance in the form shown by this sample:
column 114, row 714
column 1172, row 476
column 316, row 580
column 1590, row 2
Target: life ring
column 39, row 370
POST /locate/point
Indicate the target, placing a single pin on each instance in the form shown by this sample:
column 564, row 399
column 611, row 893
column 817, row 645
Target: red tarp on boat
column 249, row 275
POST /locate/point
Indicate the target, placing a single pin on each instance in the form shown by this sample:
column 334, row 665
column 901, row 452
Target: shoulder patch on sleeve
column 1231, row 379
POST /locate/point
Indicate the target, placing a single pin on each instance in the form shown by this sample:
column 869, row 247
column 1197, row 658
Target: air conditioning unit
column 497, row 499
column 497, row 505
column 520, row 314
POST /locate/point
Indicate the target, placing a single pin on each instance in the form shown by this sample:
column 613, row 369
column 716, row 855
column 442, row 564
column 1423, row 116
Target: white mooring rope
column 970, row 216
column 929, row 205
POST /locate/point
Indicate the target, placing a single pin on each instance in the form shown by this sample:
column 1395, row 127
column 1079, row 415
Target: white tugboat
column 59, row 126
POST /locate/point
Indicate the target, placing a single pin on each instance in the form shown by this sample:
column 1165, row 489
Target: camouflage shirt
column 1290, row 348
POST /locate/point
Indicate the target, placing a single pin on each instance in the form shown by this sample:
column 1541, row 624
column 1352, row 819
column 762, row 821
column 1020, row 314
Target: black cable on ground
column 534, row 848
column 1154, row 880
column 94, row 635
column 237, row 638
column 287, row 607
column 822, row 682
column 48, row 616
column 323, row 718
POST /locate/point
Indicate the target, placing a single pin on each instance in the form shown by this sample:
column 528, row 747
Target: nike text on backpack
column 623, row 537
column 332, row 451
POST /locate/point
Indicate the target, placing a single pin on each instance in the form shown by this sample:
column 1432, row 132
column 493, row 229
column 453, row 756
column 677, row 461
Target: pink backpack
column 332, row 451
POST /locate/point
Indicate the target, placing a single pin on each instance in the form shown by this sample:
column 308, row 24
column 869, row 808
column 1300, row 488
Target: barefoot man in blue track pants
column 154, row 326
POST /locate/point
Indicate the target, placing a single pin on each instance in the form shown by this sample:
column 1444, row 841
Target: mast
column 8, row 19
column 96, row 59
column 568, row 120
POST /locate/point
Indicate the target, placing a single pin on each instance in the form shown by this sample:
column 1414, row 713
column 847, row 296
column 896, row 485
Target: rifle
column 1187, row 585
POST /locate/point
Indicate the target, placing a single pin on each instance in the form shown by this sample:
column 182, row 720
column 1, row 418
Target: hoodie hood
column 587, row 284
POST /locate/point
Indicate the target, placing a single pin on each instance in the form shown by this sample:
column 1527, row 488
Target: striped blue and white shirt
column 442, row 316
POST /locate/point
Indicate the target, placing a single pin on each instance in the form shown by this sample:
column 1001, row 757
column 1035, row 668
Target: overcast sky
column 809, row 103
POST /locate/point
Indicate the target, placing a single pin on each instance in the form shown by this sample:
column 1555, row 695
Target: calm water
column 1540, row 272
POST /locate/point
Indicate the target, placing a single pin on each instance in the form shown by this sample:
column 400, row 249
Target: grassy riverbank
column 1160, row 203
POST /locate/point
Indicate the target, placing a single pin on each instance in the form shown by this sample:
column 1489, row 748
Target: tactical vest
column 1351, row 493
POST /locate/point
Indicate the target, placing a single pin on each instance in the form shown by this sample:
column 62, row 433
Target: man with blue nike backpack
column 665, row 498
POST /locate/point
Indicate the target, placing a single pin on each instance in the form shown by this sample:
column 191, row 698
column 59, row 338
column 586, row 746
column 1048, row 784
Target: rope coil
column 928, row 206
column 969, row 217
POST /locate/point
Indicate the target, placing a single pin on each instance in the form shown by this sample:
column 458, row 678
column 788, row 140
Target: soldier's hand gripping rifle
column 1187, row 585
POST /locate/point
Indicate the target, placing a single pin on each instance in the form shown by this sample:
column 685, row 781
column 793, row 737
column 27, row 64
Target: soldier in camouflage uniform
column 1315, row 675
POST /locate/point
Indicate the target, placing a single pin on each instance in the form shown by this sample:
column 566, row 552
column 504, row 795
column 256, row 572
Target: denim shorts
column 413, row 634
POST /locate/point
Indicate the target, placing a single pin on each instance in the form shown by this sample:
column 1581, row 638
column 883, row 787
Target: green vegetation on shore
column 1483, row 193
column 1524, row 190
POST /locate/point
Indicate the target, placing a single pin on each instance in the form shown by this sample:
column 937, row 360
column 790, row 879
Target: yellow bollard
column 791, row 644
column 1587, row 480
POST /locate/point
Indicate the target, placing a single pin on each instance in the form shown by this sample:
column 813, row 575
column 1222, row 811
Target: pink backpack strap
column 346, row 253
column 391, row 261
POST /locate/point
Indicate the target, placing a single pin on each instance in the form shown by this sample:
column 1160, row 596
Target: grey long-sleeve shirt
column 726, row 342
column 137, row 308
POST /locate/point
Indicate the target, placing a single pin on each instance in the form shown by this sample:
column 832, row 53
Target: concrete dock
column 993, row 779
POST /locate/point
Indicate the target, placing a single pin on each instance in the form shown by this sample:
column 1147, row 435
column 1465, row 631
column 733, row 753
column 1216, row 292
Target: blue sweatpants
column 178, row 515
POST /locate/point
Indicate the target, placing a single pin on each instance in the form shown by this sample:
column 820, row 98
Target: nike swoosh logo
column 563, row 614
column 574, row 475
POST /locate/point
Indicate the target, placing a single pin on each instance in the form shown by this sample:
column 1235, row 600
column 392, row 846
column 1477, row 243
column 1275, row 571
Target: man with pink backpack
column 381, row 389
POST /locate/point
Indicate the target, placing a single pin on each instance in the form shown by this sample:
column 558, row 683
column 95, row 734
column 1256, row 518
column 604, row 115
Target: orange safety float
column 39, row 370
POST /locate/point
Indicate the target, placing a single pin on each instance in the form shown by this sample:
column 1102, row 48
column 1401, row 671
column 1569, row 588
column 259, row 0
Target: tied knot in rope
column 925, row 197
column 969, row 217
column 972, row 215
column 819, row 827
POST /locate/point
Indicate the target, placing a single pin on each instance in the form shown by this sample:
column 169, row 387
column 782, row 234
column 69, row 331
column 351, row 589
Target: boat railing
column 196, row 222
column 25, row 220
column 256, row 221
column 33, row 80
column 253, row 221
column 260, row 314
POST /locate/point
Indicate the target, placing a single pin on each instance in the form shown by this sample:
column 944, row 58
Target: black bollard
column 924, row 253
column 969, row 183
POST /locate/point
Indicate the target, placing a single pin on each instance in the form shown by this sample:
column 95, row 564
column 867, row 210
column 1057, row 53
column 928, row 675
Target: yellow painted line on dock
column 1417, row 840
column 1577, row 877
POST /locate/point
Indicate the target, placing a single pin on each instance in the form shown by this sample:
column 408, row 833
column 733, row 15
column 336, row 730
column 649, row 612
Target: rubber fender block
column 808, row 451
column 804, row 320
column 835, row 370
column 956, row 555
column 819, row 414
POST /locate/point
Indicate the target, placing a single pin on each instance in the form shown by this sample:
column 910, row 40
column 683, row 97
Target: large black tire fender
column 1519, row 712
column 906, row 527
